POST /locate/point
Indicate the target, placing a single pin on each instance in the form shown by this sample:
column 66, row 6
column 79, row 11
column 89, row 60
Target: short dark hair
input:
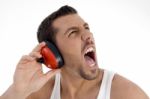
column 46, row 31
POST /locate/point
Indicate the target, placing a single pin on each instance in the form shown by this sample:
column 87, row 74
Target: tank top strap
column 105, row 89
column 56, row 90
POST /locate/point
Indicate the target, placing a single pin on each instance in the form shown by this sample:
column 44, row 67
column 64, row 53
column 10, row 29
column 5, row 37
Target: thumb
column 49, row 75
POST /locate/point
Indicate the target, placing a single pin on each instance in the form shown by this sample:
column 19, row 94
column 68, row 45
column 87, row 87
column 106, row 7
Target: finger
column 38, row 47
column 26, row 58
column 35, row 54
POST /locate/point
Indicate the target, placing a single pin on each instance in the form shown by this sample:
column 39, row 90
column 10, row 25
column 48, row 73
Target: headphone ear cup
column 51, row 56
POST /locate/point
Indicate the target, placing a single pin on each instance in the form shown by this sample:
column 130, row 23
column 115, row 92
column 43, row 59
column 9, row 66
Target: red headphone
column 51, row 56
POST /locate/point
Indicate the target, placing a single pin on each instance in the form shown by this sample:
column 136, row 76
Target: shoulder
column 123, row 88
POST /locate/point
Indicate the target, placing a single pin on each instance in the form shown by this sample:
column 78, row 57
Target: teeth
column 89, row 50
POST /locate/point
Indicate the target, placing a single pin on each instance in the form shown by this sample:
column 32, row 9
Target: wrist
column 12, row 93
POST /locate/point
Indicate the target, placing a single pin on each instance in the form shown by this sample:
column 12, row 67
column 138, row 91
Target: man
column 80, row 77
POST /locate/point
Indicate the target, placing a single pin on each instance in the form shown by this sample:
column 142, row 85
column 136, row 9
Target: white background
column 121, row 29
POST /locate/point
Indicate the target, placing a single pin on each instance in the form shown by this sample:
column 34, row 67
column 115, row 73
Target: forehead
column 67, row 21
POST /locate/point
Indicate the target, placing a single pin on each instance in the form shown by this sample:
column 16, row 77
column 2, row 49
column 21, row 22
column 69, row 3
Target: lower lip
column 94, row 66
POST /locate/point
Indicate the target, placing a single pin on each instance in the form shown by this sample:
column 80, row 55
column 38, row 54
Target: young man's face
column 76, row 44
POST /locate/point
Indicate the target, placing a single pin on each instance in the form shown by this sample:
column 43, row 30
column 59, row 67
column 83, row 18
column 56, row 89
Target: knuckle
column 35, row 54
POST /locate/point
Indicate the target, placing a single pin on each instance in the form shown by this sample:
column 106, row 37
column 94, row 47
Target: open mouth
column 89, row 57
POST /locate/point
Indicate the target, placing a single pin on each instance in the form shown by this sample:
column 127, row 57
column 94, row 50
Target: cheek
column 70, row 47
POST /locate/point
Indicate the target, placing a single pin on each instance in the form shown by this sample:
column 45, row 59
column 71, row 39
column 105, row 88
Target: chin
column 89, row 75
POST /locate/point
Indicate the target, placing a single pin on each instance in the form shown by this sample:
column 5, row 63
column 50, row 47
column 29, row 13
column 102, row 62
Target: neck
column 72, row 83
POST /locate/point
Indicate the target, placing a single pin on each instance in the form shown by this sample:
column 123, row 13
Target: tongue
column 89, row 61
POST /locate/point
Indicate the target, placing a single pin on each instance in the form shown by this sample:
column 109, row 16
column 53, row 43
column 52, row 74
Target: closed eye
column 87, row 28
column 72, row 32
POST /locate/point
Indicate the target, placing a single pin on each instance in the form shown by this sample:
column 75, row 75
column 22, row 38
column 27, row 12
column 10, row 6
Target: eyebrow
column 85, row 24
column 75, row 27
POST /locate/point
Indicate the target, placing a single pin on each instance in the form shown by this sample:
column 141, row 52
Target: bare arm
column 28, row 76
column 11, row 93
column 122, row 88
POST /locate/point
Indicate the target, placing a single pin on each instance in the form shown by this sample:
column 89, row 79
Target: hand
column 29, row 77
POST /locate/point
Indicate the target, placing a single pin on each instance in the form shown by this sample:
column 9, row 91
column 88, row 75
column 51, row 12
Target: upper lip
column 89, row 48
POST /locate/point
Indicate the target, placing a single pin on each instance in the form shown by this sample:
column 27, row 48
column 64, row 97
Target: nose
column 87, row 37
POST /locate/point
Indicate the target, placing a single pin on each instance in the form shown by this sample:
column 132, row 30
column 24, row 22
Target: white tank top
column 104, row 92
